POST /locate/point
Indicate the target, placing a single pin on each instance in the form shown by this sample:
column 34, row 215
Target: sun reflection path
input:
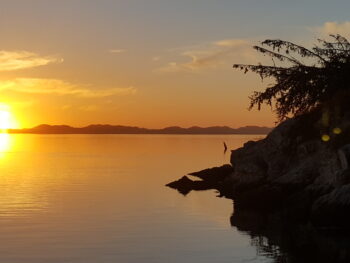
column 5, row 143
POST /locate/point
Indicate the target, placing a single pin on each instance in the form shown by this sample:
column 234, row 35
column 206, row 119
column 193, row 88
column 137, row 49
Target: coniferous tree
column 308, row 78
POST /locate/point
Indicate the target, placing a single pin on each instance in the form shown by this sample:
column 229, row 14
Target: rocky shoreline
column 292, row 173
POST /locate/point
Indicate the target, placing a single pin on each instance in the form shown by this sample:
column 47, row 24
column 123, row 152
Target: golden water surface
column 101, row 198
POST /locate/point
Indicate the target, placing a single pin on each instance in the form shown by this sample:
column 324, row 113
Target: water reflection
column 275, row 235
column 100, row 198
column 287, row 242
column 5, row 143
column 21, row 188
column 90, row 198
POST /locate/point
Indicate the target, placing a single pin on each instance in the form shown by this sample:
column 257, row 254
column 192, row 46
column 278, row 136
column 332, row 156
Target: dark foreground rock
column 215, row 174
column 185, row 185
column 291, row 190
column 213, row 178
column 295, row 174
column 292, row 172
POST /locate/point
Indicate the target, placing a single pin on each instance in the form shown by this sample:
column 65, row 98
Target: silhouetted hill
column 118, row 129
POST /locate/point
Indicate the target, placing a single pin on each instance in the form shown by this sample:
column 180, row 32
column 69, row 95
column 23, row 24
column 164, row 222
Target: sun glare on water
column 7, row 121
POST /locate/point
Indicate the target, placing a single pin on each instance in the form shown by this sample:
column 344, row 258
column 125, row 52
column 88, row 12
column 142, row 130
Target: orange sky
column 152, row 65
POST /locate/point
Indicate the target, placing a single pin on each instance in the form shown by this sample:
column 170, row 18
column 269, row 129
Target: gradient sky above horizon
column 151, row 63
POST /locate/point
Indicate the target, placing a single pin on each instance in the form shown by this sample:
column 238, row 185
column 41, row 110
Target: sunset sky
column 149, row 63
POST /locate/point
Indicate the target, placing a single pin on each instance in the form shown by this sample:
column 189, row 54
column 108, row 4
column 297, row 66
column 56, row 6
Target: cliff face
column 294, row 172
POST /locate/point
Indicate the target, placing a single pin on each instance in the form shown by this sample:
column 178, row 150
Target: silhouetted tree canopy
column 309, row 77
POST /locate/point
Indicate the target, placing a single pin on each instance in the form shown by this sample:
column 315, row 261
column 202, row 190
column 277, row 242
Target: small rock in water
column 211, row 179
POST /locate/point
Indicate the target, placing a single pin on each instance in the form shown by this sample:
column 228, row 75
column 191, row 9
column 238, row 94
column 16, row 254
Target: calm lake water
column 101, row 198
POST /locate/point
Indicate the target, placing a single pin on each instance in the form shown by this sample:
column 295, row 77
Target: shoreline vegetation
column 119, row 129
column 293, row 187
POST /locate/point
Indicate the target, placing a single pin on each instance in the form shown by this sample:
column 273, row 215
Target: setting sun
column 7, row 120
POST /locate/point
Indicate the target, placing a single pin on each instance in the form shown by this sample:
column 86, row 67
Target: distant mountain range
column 118, row 129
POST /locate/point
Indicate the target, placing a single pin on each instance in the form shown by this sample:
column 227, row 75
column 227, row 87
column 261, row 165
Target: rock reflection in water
column 288, row 242
column 279, row 229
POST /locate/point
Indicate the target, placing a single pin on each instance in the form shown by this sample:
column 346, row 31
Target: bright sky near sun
column 151, row 63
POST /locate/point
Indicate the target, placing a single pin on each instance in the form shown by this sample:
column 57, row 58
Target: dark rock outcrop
column 185, row 185
column 292, row 172
column 213, row 178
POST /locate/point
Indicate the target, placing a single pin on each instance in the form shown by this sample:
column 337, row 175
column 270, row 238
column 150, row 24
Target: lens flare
column 325, row 137
column 337, row 130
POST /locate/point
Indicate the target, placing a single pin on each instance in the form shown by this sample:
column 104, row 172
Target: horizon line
column 120, row 129
column 134, row 126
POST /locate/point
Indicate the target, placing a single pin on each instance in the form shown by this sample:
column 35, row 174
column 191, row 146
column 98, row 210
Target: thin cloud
column 66, row 107
column 16, row 60
column 233, row 43
column 60, row 87
column 23, row 104
column 219, row 54
column 341, row 28
column 88, row 108
column 155, row 59
column 117, row 51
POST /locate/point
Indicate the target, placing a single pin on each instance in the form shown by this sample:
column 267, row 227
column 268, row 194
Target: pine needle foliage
column 301, row 86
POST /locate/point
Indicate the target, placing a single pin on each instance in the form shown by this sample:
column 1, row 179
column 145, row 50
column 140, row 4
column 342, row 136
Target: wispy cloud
column 117, row 51
column 60, row 87
column 218, row 54
column 66, row 107
column 88, row 108
column 15, row 60
column 23, row 104
column 342, row 28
